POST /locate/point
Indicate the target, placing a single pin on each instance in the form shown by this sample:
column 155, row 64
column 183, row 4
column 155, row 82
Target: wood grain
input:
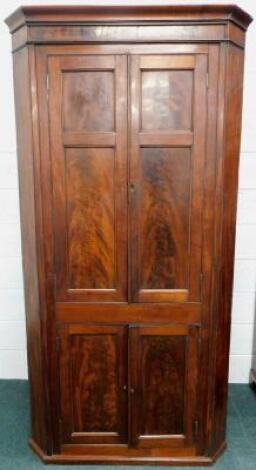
column 88, row 101
column 90, row 218
column 166, row 204
column 89, row 175
column 162, row 388
column 166, row 99
column 93, row 374
column 94, row 382
column 128, row 332
column 164, row 218
column 24, row 80
column 164, row 367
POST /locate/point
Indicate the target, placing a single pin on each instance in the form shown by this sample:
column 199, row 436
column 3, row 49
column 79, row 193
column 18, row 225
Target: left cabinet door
column 93, row 387
column 87, row 99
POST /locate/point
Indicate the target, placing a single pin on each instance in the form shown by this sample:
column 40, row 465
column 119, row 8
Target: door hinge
column 60, row 429
column 201, row 283
column 47, row 82
column 58, row 345
column 51, row 285
column 196, row 426
column 207, row 80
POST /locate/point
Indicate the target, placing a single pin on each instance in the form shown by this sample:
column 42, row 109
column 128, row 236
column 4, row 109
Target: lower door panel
column 93, row 375
column 163, row 367
column 135, row 386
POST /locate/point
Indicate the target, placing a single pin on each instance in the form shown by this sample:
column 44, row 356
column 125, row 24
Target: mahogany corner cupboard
column 128, row 130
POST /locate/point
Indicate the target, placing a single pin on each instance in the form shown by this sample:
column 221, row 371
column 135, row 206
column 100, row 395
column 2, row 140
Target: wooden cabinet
column 128, row 131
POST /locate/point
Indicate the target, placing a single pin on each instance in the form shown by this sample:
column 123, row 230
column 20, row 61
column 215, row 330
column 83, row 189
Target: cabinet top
column 51, row 14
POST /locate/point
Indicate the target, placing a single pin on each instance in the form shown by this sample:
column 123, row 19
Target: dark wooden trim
column 126, row 24
column 136, row 33
column 77, row 457
column 228, row 150
column 25, row 90
column 127, row 313
column 80, row 14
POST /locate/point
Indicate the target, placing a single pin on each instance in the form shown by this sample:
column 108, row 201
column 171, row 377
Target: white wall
column 12, row 326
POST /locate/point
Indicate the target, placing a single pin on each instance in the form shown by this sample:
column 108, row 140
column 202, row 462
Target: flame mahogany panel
column 93, row 376
column 90, row 196
column 164, row 217
column 167, row 164
column 164, row 377
column 88, row 101
column 88, row 131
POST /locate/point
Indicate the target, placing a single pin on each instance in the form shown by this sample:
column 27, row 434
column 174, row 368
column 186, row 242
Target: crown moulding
column 61, row 15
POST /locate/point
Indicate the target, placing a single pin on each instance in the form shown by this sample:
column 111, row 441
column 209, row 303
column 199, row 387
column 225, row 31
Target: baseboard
column 119, row 460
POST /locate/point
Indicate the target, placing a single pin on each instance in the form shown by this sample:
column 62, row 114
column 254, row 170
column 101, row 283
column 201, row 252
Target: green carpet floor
column 16, row 455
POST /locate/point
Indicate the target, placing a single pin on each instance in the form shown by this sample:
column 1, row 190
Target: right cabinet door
column 167, row 161
column 163, row 369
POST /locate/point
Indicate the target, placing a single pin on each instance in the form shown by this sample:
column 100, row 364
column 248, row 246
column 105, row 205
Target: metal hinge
column 47, row 88
column 57, row 345
column 196, row 426
column 201, row 283
column 207, row 80
column 60, row 429
column 51, row 285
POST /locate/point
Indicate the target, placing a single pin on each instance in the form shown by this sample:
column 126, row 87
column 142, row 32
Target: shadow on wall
column 253, row 369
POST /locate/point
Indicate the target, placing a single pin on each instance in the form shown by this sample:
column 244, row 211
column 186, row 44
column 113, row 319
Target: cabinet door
column 163, row 369
column 93, row 384
column 168, row 120
column 88, row 138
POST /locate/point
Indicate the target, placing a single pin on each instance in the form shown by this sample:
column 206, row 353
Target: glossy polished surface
column 128, row 137
column 164, row 215
column 90, row 217
column 166, row 101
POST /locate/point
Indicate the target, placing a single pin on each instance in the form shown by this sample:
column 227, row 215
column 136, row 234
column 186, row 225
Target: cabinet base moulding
column 173, row 460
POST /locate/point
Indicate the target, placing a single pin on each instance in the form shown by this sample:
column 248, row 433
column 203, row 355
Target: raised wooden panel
column 93, row 378
column 90, row 218
column 88, row 101
column 163, row 361
column 168, row 135
column 88, row 130
column 166, row 101
column 164, row 218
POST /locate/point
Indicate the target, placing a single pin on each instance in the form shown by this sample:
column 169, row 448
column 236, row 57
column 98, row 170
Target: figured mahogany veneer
column 128, row 131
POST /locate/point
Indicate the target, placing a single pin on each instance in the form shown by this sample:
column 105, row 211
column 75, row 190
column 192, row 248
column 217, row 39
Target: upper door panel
column 88, row 132
column 168, row 119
